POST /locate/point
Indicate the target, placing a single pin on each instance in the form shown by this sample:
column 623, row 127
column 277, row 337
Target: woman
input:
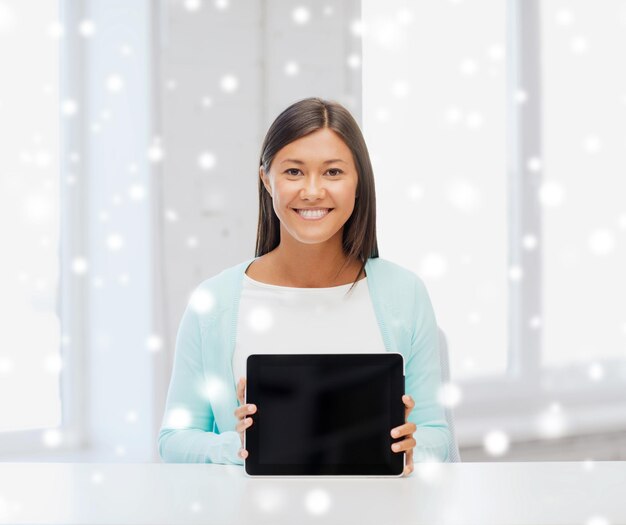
column 315, row 285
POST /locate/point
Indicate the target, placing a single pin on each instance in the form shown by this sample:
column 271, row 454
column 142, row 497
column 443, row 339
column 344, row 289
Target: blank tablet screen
column 324, row 414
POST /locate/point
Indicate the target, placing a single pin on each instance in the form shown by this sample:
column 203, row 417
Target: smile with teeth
column 313, row 215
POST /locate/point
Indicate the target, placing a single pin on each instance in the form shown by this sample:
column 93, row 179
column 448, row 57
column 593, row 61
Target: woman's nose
column 313, row 187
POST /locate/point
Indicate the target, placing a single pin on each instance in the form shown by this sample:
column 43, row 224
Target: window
column 30, row 361
column 434, row 79
column 497, row 132
column 584, row 140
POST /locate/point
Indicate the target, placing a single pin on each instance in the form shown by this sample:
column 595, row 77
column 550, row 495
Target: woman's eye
column 336, row 171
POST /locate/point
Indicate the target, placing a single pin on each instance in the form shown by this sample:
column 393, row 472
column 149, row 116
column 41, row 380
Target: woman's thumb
column 240, row 389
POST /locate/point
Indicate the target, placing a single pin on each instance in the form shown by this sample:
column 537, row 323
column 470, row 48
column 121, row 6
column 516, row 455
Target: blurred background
column 130, row 134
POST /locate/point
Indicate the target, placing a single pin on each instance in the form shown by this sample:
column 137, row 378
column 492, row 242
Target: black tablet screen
column 324, row 413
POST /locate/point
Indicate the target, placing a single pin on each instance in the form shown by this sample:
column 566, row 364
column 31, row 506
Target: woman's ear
column 265, row 180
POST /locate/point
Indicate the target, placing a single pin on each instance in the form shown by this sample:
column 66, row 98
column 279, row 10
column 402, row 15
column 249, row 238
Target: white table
column 477, row 493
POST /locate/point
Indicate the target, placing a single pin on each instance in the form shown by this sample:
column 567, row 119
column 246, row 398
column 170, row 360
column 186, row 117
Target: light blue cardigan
column 199, row 420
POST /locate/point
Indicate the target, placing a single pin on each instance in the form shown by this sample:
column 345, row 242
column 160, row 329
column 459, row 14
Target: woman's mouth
column 313, row 215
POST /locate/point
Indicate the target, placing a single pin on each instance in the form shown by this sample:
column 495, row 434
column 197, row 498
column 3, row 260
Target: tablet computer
column 324, row 414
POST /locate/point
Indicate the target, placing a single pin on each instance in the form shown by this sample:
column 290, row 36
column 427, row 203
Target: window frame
column 514, row 401
column 72, row 292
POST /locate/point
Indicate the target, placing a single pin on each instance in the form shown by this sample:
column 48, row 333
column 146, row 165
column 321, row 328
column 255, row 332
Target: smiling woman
column 312, row 204
column 314, row 156
column 316, row 285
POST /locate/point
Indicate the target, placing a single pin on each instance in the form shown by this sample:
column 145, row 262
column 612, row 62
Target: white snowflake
column 52, row 438
column 529, row 241
column 592, row 144
column 579, row 45
column 404, row 16
column 154, row 343
column 496, row 52
column 171, row 215
column 137, row 192
column 400, row 89
column 193, row 5
column 468, row 67
column 496, row 443
column 534, row 164
column 260, row 319
column 449, row 395
column 86, row 28
column 155, row 152
column 463, row 196
column 551, row 194
column 178, row 418
column 56, row 30
column 601, row 242
column 317, row 501
column 383, row 115
column 114, row 83
column 415, row 192
column 564, row 17
column 474, row 120
column 358, row 28
column 434, row 265
column 292, row 68
column 229, row 83
column 97, row 477
column 201, row 301
column 516, row 273
column 552, row 422
column 115, row 242
column 301, row 15
column 6, row 366
column 268, row 499
column 453, row 114
column 353, row 61
column 79, row 265
column 535, row 322
column 595, row 371
column 206, row 160
column 521, row 96
column 8, row 19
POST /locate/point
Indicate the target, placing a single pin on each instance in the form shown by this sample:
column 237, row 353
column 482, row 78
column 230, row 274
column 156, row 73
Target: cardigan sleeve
column 186, row 434
column 423, row 380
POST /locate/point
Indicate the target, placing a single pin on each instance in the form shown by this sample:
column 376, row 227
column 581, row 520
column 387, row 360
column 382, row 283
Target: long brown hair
column 300, row 119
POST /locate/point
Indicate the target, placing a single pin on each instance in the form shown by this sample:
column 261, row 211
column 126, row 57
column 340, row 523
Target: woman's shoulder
column 391, row 270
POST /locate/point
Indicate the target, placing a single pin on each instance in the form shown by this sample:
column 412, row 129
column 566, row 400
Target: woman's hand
column 407, row 444
column 241, row 413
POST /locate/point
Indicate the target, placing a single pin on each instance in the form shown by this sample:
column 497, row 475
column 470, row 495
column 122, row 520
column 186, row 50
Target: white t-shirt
column 286, row 320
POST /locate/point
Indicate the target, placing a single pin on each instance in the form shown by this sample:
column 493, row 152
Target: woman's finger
column 243, row 453
column 403, row 445
column 404, row 430
column 408, row 468
column 240, row 390
column 243, row 424
column 245, row 410
column 409, row 404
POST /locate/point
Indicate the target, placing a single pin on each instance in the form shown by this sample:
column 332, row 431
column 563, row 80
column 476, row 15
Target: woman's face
column 315, row 171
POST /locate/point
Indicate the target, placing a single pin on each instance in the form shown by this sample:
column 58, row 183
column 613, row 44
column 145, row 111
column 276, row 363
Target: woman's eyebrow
column 296, row 161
